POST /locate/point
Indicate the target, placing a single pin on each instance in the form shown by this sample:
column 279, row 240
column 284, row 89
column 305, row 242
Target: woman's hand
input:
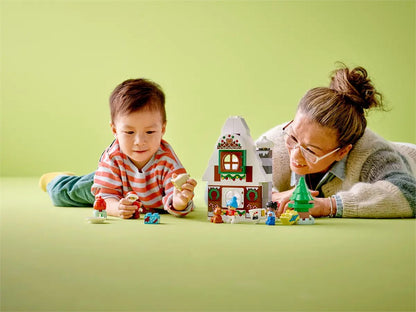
column 322, row 207
column 283, row 199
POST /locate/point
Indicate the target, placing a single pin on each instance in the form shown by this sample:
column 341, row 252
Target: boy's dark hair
column 135, row 94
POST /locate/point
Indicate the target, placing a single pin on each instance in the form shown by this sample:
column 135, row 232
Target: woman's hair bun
column 356, row 87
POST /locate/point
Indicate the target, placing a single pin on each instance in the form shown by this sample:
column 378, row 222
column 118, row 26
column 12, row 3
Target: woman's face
column 315, row 139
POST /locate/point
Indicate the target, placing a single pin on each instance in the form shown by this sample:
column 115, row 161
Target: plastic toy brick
column 301, row 197
column 152, row 218
column 100, row 214
column 180, row 180
column 301, row 202
column 289, row 217
column 257, row 215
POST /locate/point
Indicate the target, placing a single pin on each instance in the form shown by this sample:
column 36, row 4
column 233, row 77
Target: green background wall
column 61, row 59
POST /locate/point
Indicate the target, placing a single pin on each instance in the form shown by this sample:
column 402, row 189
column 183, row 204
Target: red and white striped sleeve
column 107, row 179
column 173, row 165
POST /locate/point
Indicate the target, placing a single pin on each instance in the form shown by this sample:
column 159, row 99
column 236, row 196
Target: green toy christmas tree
column 301, row 197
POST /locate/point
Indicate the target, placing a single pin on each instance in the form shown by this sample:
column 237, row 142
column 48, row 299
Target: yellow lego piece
column 289, row 217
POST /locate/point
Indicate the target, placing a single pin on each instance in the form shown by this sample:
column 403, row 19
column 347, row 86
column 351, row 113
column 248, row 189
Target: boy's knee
column 70, row 192
column 56, row 197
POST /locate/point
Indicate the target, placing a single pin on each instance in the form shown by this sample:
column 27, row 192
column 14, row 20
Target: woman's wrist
column 332, row 207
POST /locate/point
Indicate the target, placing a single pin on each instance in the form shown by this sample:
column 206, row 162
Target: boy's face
column 139, row 134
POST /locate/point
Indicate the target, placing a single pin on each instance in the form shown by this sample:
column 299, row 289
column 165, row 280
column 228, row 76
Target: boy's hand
column 181, row 198
column 126, row 209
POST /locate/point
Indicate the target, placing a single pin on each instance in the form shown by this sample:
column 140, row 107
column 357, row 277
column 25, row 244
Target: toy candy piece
column 180, row 180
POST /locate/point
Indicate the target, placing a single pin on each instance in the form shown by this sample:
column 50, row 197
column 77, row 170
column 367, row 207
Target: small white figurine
column 180, row 180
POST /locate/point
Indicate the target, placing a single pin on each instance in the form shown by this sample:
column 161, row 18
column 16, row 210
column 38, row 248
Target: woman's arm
column 387, row 188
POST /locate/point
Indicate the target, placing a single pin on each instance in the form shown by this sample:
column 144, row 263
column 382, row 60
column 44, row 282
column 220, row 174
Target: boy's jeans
column 71, row 191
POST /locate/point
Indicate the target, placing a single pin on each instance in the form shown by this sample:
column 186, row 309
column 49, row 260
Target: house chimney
column 264, row 151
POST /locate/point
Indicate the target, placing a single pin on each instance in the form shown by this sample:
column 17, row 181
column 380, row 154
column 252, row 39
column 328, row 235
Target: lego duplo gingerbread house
column 237, row 168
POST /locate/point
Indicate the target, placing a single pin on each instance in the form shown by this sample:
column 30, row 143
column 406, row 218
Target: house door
column 229, row 192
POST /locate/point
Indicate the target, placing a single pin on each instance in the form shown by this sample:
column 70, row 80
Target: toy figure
column 231, row 213
column 100, row 213
column 271, row 218
column 302, row 197
column 271, row 212
column 232, row 206
column 217, row 218
column 232, row 202
column 152, row 218
column 133, row 199
column 272, row 205
column 100, row 207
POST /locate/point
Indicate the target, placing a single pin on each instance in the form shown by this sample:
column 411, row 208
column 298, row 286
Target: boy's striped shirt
column 117, row 175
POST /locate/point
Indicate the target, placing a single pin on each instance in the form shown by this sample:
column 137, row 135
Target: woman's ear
column 343, row 152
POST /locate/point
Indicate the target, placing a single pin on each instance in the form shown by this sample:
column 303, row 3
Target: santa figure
column 134, row 200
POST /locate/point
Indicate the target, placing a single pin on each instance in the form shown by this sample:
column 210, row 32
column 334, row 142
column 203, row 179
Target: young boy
column 138, row 160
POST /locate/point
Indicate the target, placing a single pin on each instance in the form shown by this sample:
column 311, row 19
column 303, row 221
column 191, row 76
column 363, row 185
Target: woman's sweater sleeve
column 387, row 188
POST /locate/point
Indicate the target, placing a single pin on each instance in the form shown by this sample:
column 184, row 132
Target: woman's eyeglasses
column 293, row 143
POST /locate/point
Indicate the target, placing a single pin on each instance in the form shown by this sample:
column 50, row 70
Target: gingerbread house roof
column 235, row 135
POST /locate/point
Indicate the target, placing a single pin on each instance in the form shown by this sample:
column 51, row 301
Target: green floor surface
column 53, row 260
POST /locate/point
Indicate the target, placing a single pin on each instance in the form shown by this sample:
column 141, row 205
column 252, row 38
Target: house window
column 232, row 161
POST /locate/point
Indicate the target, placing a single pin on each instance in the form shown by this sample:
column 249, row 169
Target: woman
column 351, row 171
